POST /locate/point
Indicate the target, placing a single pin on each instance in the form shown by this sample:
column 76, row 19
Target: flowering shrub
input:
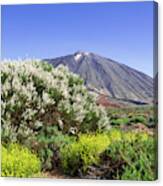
column 18, row 161
column 77, row 156
column 36, row 94
column 36, row 97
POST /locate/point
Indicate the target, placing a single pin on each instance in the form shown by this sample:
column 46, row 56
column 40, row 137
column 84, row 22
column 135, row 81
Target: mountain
column 108, row 77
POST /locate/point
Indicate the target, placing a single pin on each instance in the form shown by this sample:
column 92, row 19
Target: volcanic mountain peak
column 116, row 80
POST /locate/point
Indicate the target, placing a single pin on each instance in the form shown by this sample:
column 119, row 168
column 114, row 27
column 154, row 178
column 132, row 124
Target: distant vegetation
column 145, row 115
column 50, row 122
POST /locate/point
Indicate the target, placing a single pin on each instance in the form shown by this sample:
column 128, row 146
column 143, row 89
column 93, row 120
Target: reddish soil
column 139, row 127
column 104, row 101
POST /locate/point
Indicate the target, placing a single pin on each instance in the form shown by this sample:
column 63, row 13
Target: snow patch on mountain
column 79, row 55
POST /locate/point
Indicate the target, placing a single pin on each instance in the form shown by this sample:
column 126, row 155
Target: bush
column 41, row 103
column 34, row 94
column 120, row 121
column 152, row 121
column 138, row 119
column 49, row 141
column 18, row 161
column 77, row 156
column 135, row 156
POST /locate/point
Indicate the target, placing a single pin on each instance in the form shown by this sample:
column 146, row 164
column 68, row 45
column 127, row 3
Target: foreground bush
column 37, row 98
column 36, row 94
column 77, row 156
column 18, row 161
column 48, row 144
column 135, row 156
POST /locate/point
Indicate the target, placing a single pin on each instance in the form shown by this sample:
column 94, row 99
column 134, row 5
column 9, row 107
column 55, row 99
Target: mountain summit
column 108, row 77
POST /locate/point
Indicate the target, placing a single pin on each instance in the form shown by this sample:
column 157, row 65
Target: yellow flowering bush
column 86, row 151
column 115, row 135
column 18, row 161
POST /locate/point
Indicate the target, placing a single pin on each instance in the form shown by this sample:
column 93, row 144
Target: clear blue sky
column 121, row 31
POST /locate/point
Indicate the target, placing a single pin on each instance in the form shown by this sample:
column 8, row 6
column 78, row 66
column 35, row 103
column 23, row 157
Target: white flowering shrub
column 39, row 103
column 35, row 96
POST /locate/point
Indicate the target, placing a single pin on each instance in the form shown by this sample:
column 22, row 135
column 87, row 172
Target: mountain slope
column 108, row 77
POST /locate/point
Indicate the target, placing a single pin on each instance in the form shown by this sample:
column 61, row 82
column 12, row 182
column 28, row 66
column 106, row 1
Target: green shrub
column 86, row 151
column 49, row 141
column 152, row 121
column 138, row 119
column 18, row 161
column 135, row 156
column 120, row 121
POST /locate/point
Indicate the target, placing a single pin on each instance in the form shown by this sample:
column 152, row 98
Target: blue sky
column 121, row 31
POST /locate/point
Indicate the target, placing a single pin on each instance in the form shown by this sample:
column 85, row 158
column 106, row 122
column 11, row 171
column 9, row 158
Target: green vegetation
column 18, row 161
column 138, row 119
column 120, row 121
column 129, row 116
column 135, row 155
column 127, row 155
column 48, row 143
